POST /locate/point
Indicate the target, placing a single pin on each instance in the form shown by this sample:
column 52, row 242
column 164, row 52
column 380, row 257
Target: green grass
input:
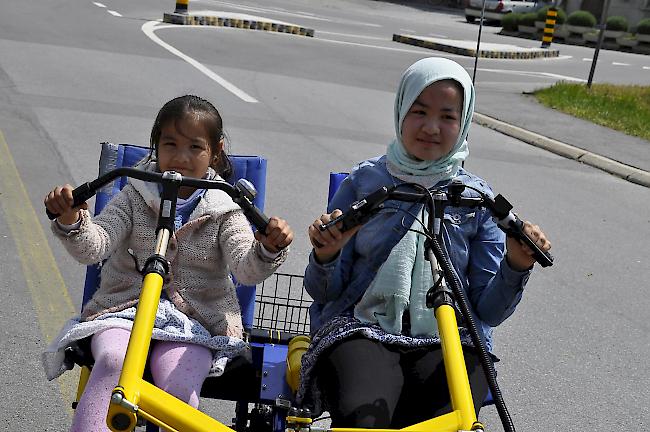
column 623, row 108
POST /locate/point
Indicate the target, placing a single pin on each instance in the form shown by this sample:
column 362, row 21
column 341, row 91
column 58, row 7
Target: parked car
column 496, row 9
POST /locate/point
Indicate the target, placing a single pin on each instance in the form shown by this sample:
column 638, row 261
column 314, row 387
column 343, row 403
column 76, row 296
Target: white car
column 496, row 9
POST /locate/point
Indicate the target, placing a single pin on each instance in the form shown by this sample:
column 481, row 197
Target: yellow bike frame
column 463, row 416
column 134, row 397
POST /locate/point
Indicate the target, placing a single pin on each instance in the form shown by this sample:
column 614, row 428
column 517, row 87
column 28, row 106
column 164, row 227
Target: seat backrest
column 335, row 181
column 251, row 168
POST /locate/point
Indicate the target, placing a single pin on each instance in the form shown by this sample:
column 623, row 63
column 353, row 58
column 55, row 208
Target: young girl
column 368, row 319
column 198, row 323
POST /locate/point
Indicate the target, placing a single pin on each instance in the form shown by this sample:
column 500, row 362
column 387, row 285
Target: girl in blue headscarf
column 375, row 359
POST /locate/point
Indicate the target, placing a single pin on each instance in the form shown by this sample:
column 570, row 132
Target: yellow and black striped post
column 181, row 6
column 551, row 16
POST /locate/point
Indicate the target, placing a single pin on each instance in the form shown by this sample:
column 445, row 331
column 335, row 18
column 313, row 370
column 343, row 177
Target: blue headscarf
column 415, row 79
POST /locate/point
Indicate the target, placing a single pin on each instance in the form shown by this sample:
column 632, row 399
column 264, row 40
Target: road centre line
column 112, row 12
column 50, row 298
column 620, row 64
column 101, row 5
column 151, row 26
column 646, row 67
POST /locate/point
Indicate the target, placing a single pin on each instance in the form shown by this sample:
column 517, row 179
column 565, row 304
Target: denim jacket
column 474, row 243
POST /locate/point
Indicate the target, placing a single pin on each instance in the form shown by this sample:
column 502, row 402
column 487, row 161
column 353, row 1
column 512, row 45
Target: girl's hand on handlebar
column 59, row 202
column 278, row 235
column 328, row 243
column 520, row 256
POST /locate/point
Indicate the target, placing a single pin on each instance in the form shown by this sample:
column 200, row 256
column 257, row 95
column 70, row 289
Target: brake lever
column 360, row 211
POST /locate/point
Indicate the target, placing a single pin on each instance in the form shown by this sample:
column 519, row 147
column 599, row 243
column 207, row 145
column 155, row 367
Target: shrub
column 643, row 27
column 510, row 21
column 560, row 19
column 528, row 19
column 581, row 18
column 616, row 23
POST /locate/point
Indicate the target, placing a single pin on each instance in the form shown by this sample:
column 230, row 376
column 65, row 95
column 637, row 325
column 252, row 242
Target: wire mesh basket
column 282, row 304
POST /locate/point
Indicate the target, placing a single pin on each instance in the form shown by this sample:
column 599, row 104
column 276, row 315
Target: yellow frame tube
column 165, row 410
column 455, row 368
column 463, row 416
column 130, row 382
column 138, row 348
column 83, row 380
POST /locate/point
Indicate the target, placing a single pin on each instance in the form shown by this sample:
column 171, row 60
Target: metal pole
column 478, row 41
column 601, row 36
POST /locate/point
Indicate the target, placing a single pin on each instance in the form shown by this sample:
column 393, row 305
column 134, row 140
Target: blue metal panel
column 274, row 367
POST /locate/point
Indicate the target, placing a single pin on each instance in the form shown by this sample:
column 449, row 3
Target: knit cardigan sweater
column 216, row 241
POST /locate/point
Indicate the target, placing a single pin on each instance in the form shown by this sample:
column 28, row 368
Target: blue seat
column 271, row 315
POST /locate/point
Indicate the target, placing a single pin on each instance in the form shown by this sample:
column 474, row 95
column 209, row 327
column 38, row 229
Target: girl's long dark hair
column 183, row 106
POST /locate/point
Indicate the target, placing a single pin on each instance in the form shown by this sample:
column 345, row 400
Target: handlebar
column 364, row 209
column 242, row 193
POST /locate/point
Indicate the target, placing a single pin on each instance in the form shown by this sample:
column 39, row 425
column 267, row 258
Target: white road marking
column 320, row 32
column 112, row 12
column 423, row 52
column 533, row 74
column 587, row 59
column 438, row 36
column 101, row 5
column 620, row 64
column 150, row 27
column 646, row 67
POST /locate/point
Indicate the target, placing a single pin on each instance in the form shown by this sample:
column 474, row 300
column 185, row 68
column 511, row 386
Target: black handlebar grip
column 79, row 196
column 257, row 218
column 348, row 220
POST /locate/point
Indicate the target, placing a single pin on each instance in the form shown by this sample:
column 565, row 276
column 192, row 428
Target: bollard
column 181, row 6
column 551, row 16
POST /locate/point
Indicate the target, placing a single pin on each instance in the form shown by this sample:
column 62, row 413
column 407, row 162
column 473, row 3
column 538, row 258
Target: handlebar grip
column 516, row 229
column 257, row 218
column 79, row 196
column 348, row 221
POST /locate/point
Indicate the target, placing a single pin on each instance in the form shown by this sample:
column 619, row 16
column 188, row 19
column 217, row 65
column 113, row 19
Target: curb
column 626, row 172
column 184, row 19
column 519, row 55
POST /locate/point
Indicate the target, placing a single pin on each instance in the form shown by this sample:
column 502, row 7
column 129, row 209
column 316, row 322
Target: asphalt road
column 73, row 74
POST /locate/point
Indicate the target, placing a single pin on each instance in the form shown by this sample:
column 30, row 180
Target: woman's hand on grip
column 59, row 202
column 519, row 256
column 328, row 243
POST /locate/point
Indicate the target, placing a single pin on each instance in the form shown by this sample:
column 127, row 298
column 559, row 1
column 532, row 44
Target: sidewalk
column 522, row 117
